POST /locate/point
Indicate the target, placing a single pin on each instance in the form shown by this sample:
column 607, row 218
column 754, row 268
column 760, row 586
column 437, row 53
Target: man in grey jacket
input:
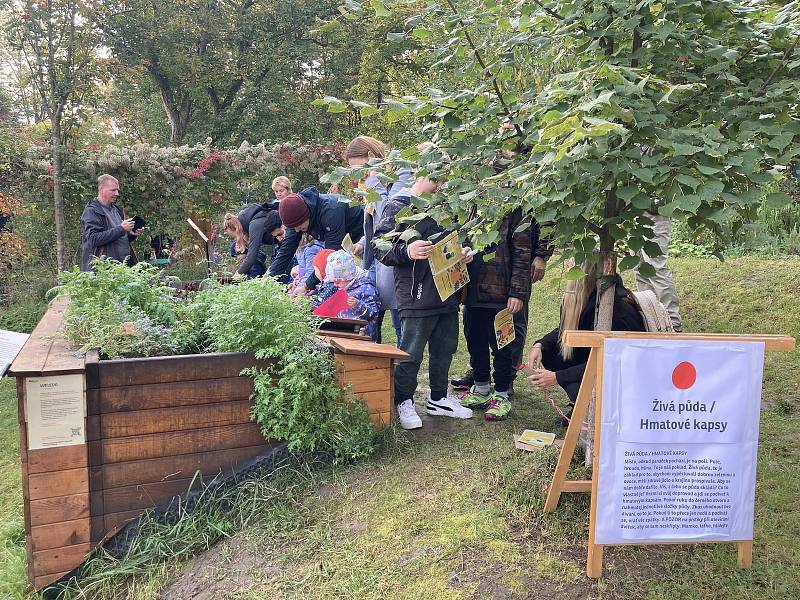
column 106, row 232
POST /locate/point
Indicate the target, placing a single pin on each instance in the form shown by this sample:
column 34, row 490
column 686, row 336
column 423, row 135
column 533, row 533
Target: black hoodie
column 415, row 290
column 259, row 221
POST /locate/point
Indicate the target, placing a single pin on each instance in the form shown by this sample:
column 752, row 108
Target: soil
column 233, row 565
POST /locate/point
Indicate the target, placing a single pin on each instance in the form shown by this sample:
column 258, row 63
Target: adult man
column 106, row 232
column 324, row 217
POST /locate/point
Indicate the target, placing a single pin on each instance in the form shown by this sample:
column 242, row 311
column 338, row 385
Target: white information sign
column 679, row 440
column 55, row 410
column 11, row 343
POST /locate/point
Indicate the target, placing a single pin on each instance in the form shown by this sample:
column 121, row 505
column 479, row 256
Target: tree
column 686, row 107
column 214, row 62
column 58, row 48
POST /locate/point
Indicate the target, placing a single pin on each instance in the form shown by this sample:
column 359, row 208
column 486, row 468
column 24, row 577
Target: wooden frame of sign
column 593, row 379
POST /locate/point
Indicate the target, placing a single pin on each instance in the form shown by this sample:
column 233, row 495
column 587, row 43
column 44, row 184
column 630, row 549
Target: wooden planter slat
column 151, row 426
column 58, row 535
column 61, row 483
column 153, row 470
column 146, row 495
column 174, row 443
column 166, row 395
column 170, row 369
column 139, row 422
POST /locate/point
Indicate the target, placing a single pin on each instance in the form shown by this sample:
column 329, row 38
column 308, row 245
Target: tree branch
column 480, row 61
column 786, row 56
column 549, row 11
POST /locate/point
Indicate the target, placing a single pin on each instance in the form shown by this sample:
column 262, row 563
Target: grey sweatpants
column 440, row 334
column 662, row 283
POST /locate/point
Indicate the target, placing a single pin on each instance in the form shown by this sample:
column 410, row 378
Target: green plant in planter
column 123, row 311
column 297, row 397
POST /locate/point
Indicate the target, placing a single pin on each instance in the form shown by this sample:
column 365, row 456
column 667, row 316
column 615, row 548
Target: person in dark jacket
column 106, row 231
column 500, row 282
column 556, row 363
column 325, row 217
column 261, row 224
column 425, row 320
column 541, row 250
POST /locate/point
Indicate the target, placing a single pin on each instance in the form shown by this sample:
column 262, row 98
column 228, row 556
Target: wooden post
column 559, row 483
column 594, row 561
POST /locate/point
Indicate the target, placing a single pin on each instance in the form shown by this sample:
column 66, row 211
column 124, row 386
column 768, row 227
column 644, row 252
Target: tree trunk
column 58, row 193
column 178, row 116
column 606, row 290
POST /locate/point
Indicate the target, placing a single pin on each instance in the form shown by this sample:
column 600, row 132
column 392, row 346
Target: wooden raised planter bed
column 150, row 424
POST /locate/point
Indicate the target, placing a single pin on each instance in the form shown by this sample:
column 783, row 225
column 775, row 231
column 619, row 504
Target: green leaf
column 380, row 8
column 627, row 192
column 685, row 149
column 646, row 270
column 574, row 274
column 692, row 182
column 710, row 190
column 778, row 200
column 409, row 234
column 627, row 263
column 604, row 98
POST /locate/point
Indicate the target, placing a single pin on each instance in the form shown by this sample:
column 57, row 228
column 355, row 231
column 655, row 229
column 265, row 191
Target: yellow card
column 540, row 439
column 504, row 328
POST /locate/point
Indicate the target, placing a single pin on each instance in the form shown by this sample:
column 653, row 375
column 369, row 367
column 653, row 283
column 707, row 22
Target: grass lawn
column 454, row 511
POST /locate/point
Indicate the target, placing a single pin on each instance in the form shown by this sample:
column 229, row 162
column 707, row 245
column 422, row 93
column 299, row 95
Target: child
column 325, row 289
column 503, row 281
column 425, row 320
column 305, row 254
column 362, row 297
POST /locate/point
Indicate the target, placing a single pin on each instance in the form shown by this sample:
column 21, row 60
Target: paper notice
column 449, row 273
column 537, row 438
column 10, row 345
column 347, row 246
column 504, row 328
column 55, row 411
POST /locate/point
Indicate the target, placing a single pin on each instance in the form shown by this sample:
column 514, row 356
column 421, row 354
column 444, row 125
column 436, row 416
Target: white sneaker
column 448, row 407
column 409, row 419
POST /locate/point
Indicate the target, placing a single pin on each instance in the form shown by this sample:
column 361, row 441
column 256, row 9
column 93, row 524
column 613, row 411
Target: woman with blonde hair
column 551, row 359
column 359, row 152
column 233, row 228
column 281, row 186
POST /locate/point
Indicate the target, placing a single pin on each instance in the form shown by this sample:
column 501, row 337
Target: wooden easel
column 593, row 379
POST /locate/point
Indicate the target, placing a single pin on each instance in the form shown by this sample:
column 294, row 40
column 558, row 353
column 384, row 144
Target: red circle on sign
column 684, row 375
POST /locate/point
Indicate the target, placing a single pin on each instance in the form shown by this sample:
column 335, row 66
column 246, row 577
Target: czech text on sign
column 678, row 441
column 55, row 411
column 449, row 273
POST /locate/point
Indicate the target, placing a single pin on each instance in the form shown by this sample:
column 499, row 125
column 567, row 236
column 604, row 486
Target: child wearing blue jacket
column 362, row 297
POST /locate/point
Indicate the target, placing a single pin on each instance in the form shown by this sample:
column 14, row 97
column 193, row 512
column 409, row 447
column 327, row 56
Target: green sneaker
column 473, row 399
column 499, row 407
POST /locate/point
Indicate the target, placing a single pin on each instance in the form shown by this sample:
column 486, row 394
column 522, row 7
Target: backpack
column 654, row 314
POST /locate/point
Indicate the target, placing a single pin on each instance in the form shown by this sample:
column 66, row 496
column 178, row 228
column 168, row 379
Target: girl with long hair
column 552, row 360
column 359, row 152
column 239, row 247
